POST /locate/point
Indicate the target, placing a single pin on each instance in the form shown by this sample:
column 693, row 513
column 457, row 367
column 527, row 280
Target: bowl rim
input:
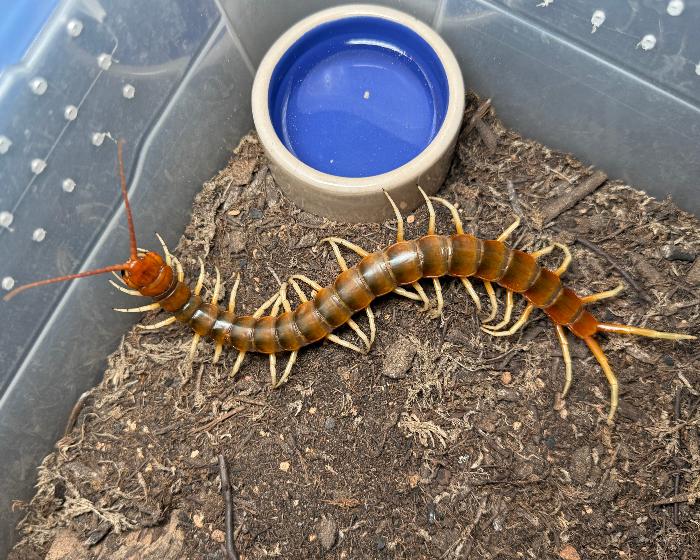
column 389, row 180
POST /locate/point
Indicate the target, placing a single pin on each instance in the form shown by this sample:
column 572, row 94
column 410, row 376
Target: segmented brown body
column 405, row 262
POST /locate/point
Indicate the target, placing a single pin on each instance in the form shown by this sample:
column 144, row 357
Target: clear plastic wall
column 617, row 83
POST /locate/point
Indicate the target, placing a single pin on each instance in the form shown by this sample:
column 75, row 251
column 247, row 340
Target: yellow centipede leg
column 472, row 293
column 431, row 212
column 516, row 326
column 453, row 211
column 494, row 302
column 149, row 307
column 510, row 229
column 193, row 348
column 609, row 374
column 506, row 314
column 232, row 298
column 293, row 356
column 168, row 257
column 603, row 295
column 566, row 356
column 438, row 296
column 399, row 218
column 639, row 331
column 154, row 326
column 180, row 272
column 237, row 364
column 200, row 280
column 125, row 290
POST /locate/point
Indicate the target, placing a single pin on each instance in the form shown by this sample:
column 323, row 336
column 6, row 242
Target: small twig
column 488, row 136
column 217, row 420
column 479, row 114
column 77, row 408
column 513, row 198
column 690, row 497
column 572, row 197
column 677, row 476
column 226, row 491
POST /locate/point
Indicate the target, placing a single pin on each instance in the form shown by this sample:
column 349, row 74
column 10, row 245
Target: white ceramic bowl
column 365, row 89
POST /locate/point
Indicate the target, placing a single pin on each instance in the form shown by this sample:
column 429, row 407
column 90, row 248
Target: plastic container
column 173, row 77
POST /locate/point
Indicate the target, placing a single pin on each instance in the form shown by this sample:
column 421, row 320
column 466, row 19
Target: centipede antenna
column 638, row 331
column 127, row 206
column 112, row 268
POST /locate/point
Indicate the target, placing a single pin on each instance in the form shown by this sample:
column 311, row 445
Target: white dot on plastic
column 597, row 19
column 38, row 86
column 98, row 138
column 104, row 61
column 675, row 7
column 128, row 91
column 38, row 235
column 8, row 283
column 38, row 166
column 70, row 112
column 74, row 27
column 648, row 42
column 6, row 219
column 365, row 95
column 5, row 144
column 68, row 185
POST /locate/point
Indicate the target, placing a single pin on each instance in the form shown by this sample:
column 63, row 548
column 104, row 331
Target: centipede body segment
column 398, row 268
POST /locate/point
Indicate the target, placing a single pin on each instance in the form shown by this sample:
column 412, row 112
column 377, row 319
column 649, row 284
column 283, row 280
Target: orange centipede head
column 143, row 270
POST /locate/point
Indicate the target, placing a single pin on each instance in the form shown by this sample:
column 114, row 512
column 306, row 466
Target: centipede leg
column 273, row 357
column 510, row 229
column 472, row 293
column 609, row 374
column 506, row 314
column 453, row 211
column 149, row 307
column 232, row 298
column 566, row 356
column 166, row 252
column 435, row 313
column 154, row 326
column 180, row 271
column 200, row 280
column 399, row 219
column 125, row 290
column 293, row 356
column 431, row 212
column 218, row 347
column 494, row 302
column 603, row 295
column 516, row 326
column 639, row 331
column 238, row 363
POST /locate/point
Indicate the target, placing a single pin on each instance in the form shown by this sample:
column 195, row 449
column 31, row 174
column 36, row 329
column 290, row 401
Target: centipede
column 398, row 268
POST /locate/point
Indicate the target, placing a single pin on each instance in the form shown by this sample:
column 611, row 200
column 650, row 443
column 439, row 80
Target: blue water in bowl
column 358, row 97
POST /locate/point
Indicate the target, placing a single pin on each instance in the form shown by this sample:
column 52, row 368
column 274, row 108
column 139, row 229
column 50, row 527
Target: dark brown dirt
column 442, row 442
